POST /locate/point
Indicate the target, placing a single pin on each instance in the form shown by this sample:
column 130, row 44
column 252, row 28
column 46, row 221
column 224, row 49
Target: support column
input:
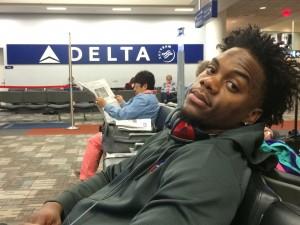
column 295, row 41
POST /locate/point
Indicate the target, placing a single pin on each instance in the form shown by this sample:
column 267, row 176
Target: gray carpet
column 36, row 168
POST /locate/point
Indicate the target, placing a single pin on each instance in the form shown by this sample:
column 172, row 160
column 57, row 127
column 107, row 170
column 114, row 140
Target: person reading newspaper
column 197, row 169
column 142, row 106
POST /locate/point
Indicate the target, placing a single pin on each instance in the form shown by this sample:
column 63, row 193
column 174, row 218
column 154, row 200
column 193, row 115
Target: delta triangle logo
column 49, row 56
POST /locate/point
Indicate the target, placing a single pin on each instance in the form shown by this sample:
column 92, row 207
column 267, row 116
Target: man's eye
column 232, row 86
column 210, row 70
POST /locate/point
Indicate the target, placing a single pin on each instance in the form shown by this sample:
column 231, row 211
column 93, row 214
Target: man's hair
column 145, row 77
column 280, row 70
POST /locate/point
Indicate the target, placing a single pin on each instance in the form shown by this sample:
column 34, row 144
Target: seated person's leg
column 91, row 157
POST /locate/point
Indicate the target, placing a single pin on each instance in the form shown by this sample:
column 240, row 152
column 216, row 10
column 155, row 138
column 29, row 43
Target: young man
column 143, row 105
column 195, row 171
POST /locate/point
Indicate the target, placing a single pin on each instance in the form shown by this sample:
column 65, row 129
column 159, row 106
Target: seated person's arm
column 120, row 100
column 128, row 111
column 55, row 210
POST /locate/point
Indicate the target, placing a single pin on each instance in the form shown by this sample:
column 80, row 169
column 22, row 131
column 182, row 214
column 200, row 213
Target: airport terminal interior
column 43, row 137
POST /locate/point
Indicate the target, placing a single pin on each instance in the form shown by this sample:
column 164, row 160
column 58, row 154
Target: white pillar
column 296, row 41
column 215, row 30
column 295, row 37
column 2, row 79
column 180, row 75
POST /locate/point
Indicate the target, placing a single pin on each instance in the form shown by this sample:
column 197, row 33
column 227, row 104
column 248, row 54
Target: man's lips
column 200, row 96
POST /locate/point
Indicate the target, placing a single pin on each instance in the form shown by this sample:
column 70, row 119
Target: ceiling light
column 121, row 9
column 57, row 8
column 262, row 8
column 183, row 9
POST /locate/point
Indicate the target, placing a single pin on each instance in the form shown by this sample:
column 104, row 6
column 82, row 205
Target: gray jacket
column 170, row 183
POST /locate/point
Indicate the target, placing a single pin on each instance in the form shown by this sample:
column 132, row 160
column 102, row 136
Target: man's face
column 228, row 93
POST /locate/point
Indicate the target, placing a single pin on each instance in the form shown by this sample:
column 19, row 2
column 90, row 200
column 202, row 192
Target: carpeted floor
column 35, row 168
column 31, row 125
column 82, row 129
column 38, row 163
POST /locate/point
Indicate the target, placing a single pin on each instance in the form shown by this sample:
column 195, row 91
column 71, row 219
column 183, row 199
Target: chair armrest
column 119, row 155
column 135, row 147
column 141, row 134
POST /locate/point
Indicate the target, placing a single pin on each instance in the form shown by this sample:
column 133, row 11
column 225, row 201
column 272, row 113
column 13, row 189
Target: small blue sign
column 206, row 12
column 101, row 54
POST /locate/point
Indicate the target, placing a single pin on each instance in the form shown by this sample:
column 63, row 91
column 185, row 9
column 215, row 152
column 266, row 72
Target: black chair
column 84, row 102
column 286, row 185
column 263, row 206
column 58, row 101
column 258, row 197
column 158, row 95
column 281, row 213
column 12, row 100
column 35, row 99
column 126, row 94
column 162, row 114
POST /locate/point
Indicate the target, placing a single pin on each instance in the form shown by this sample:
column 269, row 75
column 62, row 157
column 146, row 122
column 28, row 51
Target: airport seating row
column 56, row 100
column 38, row 98
column 53, row 100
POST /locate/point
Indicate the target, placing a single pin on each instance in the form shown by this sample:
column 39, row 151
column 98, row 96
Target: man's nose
column 212, row 84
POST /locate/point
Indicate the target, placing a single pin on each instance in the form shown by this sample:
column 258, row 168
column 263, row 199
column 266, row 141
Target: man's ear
column 253, row 116
column 145, row 86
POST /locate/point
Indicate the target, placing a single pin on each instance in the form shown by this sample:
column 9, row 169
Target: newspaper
column 100, row 88
column 134, row 125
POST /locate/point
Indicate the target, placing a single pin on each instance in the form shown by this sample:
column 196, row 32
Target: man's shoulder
column 199, row 156
column 144, row 96
column 210, row 147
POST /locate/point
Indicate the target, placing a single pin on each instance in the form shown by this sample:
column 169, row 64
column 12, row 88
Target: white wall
column 94, row 29
column 215, row 31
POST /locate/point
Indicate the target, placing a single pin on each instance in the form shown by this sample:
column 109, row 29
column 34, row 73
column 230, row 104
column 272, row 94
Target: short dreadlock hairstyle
column 280, row 70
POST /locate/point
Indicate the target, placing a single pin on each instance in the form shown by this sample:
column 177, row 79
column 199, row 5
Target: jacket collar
column 249, row 139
